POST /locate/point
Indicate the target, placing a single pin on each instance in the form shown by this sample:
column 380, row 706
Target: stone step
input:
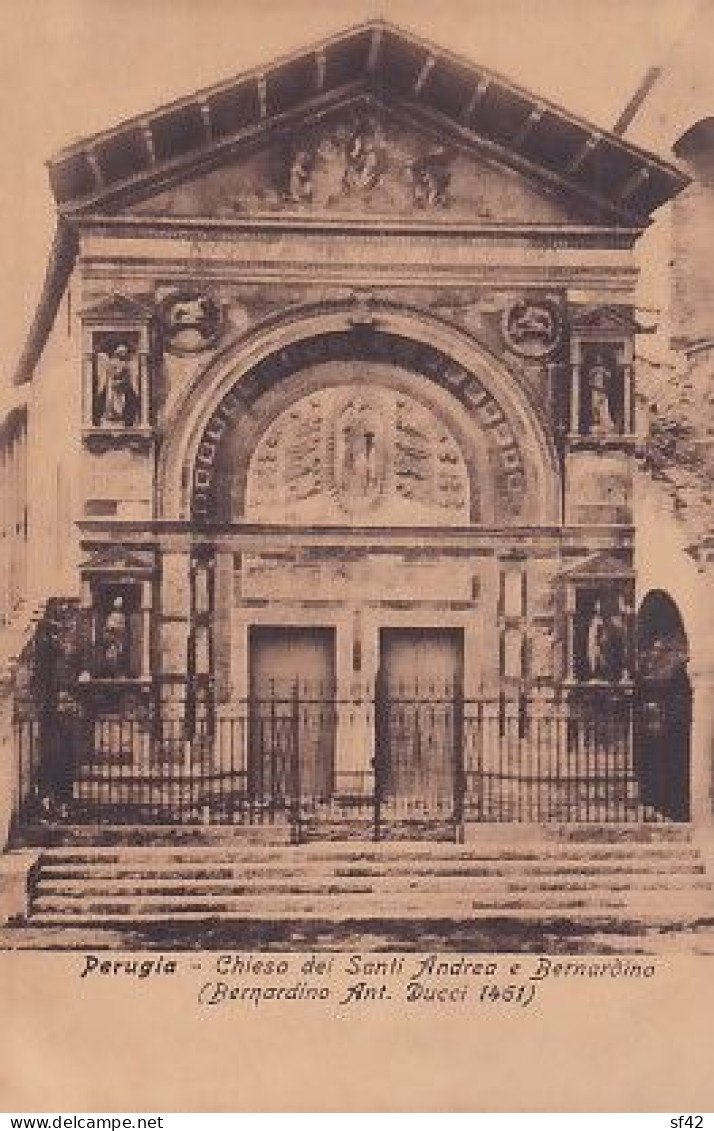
column 301, row 859
column 458, row 871
column 358, row 907
column 94, row 836
column 346, row 905
column 277, row 832
column 304, row 854
column 510, row 872
column 338, row 884
column 626, row 920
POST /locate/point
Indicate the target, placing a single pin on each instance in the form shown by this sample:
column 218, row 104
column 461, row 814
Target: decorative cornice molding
column 206, row 228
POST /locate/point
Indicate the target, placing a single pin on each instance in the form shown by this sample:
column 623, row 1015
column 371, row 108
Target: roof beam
column 528, row 126
column 423, row 76
column 93, row 162
column 320, row 70
column 262, row 84
column 145, row 127
column 205, row 108
column 633, row 182
column 375, row 47
column 476, row 96
column 585, row 150
column 504, row 151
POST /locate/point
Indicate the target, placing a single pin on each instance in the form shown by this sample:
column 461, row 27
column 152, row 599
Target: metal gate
column 436, row 758
column 419, row 747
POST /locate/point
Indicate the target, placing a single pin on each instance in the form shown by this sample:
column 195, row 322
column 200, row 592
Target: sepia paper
column 429, row 1012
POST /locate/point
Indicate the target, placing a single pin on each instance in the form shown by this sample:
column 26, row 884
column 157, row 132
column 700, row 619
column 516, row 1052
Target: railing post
column 272, row 756
column 482, row 745
column 296, row 799
column 458, row 761
column 381, row 724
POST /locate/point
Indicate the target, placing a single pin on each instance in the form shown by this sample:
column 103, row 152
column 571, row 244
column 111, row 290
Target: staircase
column 607, row 874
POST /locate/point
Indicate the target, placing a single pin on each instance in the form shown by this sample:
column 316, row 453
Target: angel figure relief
column 431, row 177
column 300, row 187
column 117, row 400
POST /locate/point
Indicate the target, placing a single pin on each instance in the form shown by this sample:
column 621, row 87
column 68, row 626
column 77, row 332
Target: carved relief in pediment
column 363, row 160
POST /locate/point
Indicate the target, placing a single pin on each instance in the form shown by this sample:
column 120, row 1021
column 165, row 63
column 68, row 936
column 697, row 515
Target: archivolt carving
column 522, row 462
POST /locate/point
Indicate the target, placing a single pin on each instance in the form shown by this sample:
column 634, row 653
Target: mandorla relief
column 341, row 454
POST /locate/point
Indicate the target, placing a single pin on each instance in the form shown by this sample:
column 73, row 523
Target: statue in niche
column 605, row 646
column 431, row 177
column 114, row 641
column 364, row 158
column 117, row 401
column 599, row 384
column 595, row 644
column 300, row 177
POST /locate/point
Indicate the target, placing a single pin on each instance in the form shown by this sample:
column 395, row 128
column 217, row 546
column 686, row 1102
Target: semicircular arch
column 413, row 339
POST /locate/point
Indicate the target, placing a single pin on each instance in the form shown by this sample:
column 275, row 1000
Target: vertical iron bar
column 296, row 807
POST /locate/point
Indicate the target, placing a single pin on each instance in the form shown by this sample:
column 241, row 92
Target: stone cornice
column 256, row 538
column 357, row 257
column 207, row 228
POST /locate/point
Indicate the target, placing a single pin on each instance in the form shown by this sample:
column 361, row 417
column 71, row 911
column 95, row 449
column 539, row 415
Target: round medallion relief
column 191, row 321
column 532, row 327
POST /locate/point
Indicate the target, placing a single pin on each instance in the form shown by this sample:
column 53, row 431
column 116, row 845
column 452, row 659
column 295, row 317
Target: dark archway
column 664, row 708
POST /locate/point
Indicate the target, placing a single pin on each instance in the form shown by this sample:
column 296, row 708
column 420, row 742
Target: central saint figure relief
column 358, row 454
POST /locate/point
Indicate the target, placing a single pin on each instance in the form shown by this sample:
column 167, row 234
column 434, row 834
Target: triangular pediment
column 118, row 559
column 367, row 159
column 600, row 567
column 468, row 123
column 608, row 319
column 118, row 308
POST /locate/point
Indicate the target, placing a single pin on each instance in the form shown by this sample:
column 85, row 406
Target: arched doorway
column 664, row 709
column 356, row 489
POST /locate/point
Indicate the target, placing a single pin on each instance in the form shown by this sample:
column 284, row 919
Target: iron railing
column 303, row 759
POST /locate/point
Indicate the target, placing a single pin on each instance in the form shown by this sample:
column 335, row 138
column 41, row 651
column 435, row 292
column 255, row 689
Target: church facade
column 342, row 499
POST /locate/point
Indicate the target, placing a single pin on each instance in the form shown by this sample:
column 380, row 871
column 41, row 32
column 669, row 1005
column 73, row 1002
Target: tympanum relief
column 371, row 456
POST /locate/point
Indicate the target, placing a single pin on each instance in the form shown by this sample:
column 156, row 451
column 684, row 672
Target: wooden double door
column 417, row 714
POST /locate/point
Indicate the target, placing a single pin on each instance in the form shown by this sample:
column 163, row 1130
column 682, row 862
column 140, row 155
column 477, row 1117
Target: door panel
column 419, row 717
column 292, row 673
